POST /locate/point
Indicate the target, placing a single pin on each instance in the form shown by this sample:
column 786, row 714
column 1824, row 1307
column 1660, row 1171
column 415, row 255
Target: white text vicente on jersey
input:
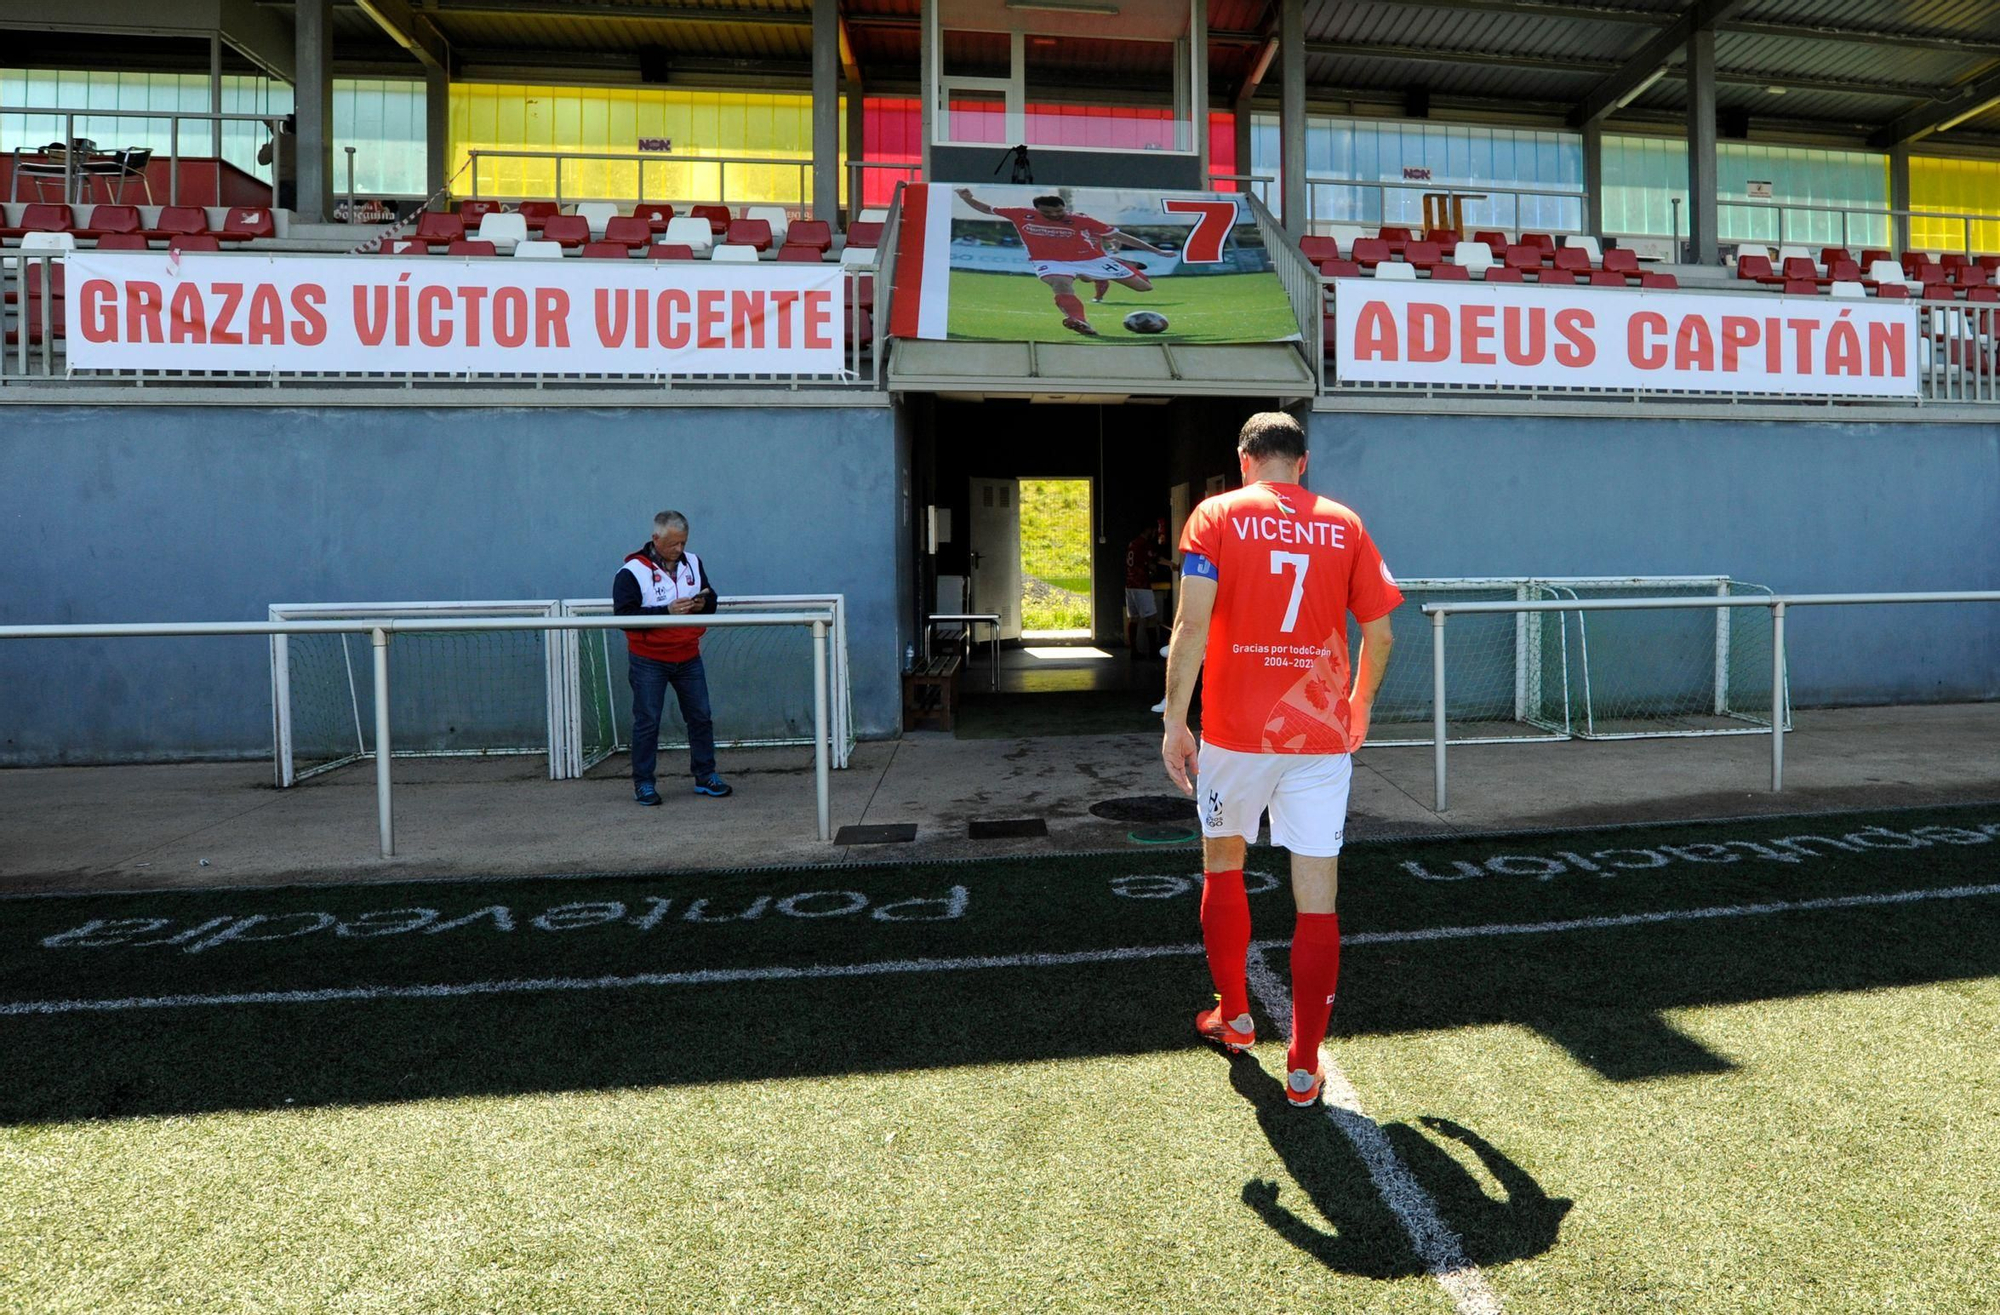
column 1277, row 529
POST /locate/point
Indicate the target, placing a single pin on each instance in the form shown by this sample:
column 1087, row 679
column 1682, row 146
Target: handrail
column 639, row 160
column 1965, row 218
column 1302, row 286
column 1260, row 185
column 174, row 117
column 380, row 630
column 1777, row 603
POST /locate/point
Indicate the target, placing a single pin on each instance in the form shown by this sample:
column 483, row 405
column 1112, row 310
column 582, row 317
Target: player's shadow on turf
column 1366, row 1238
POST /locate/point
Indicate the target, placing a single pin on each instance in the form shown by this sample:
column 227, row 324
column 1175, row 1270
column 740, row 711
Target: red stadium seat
column 537, row 214
column 41, row 217
column 1829, row 256
column 718, row 217
column 814, row 233
column 571, row 231
column 670, row 251
column 794, row 253
column 606, row 251
column 1339, row 269
column 655, row 213
column 1800, row 267
column 1397, row 238
column 1927, row 273
column 123, row 242
column 1800, row 287
column 58, row 282
column 1504, row 274
column 1542, row 242
column 865, row 233
column 1989, row 263
column 180, row 221
column 749, row 233
column 1951, row 260
column 247, row 223
column 1871, row 255
column 111, row 219
column 1425, row 256
column 1606, row 278
column 1893, row 291
column 1369, row 252
column 1972, row 276
column 471, row 247
column 474, row 211
column 1446, row 239
column 1912, row 261
column 439, row 228
column 1492, row 238
column 1524, row 257
column 1451, row 273
column 1988, row 293
column 1314, row 247
column 1652, row 280
column 864, row 291
column 1574, row 259
column 1620, row 260
column 1565, row 277
column 1940, row 292
column 1329, row 336
column 1754, row 266
column 1843, row 270
column 629, row 231
column 194, row 242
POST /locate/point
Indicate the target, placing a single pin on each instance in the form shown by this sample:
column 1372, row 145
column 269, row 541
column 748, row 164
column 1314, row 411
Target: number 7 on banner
column 1212, row 225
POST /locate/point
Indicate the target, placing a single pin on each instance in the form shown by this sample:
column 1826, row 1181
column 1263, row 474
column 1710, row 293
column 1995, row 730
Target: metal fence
column 380, row 632
column 1303, row 286
column 76, row 152
column 1777, row 603
column 654, row 176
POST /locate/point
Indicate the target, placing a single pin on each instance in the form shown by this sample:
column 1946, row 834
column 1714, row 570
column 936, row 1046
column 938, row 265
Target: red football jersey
column 1289, row 566
column 1073, row 237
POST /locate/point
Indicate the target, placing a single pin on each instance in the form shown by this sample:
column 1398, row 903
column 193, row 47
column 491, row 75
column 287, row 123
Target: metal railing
column 1304, row 288
column 1777, row 603
column 1262, row 186
column 380, row 632
column 174, row 119
column 1848, row 212
column 34, row 356
column 858, row 172
column 698, row 167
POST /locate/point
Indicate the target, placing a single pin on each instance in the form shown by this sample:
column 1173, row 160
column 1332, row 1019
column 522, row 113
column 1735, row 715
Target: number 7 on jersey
column 1279, row 561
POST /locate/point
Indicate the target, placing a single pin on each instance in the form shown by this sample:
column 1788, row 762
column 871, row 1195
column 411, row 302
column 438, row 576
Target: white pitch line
column 1440, row 1249
column 780, row 973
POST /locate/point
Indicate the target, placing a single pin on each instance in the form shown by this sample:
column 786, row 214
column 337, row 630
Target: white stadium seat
column 874, row 214
column 776, row 217
column 1396, row 271
column 502, row 228
column 538, row 250
column 857, row 255
column 1847, row 288
column 597, row 212
column 689, row 231
column 736, row 253
column 48, row 242
column 1475, row 256
column 1588, row 243
column 1887, row 271
column 1793, row 253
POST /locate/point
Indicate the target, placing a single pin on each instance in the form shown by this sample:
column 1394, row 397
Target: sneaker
column 1302, row 1088
column 1161, row 706
column 1235, row 1035
column 647, row 795
column 713, row 786
column 1080, row 326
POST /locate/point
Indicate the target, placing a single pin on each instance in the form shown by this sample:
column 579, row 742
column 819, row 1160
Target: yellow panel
column 1970, row 187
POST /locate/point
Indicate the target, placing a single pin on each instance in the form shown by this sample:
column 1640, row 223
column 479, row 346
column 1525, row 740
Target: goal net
column 1673, row 671
column 452, row 693
column 1506, row 673
column 760, row 682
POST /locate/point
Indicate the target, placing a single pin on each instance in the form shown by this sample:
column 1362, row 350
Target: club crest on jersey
column 1283, row 506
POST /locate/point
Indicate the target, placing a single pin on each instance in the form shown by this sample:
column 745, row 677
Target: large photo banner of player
column 979, row 263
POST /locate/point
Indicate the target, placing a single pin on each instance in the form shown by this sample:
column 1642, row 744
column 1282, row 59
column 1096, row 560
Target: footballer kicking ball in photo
column 1146, row 321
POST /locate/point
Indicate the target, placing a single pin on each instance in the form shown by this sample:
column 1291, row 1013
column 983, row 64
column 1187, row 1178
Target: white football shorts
column 1107, row 268
column 1305, row 793
column 1140, row 604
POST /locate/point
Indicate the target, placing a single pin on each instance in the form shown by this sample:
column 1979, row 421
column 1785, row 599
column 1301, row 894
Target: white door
column 996, row 552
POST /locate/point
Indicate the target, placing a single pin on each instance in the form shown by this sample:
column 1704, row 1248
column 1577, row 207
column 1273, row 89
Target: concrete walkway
column 219, row 824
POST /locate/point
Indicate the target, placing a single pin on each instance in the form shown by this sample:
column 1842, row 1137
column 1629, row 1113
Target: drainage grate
column 1146, row 808
column 887, row 833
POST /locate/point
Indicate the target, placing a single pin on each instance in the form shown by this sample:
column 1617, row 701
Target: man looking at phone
column 664, row 579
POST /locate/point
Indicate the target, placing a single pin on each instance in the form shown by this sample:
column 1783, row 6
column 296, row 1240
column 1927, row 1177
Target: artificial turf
column 1206, row 308
column 1792, row 1110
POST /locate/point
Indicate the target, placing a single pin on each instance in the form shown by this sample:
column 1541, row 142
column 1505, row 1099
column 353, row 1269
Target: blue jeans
column 650, row 679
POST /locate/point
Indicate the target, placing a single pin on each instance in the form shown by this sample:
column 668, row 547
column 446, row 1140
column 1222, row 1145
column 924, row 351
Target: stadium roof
column 1852, row 72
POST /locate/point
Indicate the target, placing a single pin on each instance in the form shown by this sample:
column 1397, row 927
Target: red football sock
column 1225, row 932
column 1315, row 974
column 1070, row 304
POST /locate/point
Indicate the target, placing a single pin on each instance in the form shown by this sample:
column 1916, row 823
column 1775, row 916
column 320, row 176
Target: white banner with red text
column 416, row 315
column 1527, row 336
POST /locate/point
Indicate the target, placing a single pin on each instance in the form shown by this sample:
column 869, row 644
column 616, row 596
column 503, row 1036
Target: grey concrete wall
column 178, row 513
column 1801, row 507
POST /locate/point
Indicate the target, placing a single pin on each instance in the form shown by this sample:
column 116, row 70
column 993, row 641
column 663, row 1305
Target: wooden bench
column 930, row 693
